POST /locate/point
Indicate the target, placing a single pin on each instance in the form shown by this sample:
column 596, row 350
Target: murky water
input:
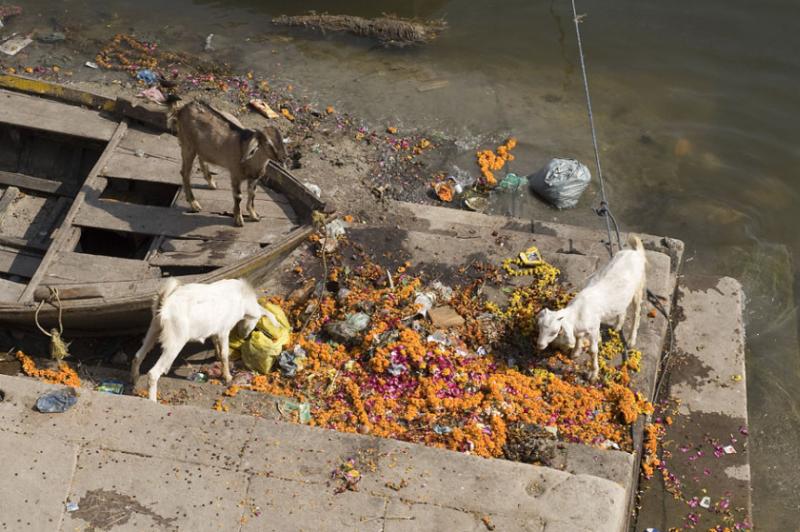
column 696, row 106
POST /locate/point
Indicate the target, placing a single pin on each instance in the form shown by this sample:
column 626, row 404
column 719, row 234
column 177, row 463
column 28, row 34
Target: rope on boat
column 58, row 348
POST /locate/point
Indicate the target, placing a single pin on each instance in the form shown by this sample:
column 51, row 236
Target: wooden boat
column 92, row 211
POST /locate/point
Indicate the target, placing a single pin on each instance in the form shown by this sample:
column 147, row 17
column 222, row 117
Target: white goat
column 194, row 312
column 605, row 299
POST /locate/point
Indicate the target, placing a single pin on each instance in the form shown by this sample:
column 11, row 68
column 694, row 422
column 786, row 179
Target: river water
column 696, row 109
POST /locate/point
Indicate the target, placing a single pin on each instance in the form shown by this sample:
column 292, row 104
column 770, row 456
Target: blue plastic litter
column 148, row 76
column 57, row 401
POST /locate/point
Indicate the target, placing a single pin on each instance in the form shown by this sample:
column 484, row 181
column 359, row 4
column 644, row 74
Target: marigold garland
column 64, row 375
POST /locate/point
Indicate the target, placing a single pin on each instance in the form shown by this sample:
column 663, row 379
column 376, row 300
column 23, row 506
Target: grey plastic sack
column 561, row 182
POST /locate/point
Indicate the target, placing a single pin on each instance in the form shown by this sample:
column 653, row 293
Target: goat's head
column 550, row 323
column 261, row 146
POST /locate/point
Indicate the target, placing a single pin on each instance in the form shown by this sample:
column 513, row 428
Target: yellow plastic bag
column 265, row 324
column 264, row 345
column 235, row 343
column 260, row 352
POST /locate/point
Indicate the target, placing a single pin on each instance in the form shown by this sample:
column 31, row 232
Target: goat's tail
column 170, row 286
column 634, row 242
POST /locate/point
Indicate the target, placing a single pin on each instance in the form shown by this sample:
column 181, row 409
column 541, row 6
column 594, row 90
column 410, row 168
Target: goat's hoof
column 212, row 184
column 195, row 205
column 593, row 377
column 255, row 217
column 238, row 221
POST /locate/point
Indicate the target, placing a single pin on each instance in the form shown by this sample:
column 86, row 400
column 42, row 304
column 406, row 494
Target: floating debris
column 15, row 44
column 388, row 30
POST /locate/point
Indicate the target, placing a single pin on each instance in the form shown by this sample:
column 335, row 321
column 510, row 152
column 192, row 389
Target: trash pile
column 474, row 191
column 561, row 182
column 396, row 355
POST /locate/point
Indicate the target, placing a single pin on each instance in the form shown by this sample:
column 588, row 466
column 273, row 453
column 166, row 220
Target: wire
column 604, row 210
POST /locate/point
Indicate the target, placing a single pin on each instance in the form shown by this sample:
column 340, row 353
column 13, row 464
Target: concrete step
column 708, row 379
column 131, row 464
column 591, row 241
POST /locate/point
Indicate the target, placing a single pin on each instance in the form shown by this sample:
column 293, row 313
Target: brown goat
column 218, row 138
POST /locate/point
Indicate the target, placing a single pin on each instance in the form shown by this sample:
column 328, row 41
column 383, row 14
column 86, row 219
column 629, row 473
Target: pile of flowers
column 459, row 388
column 489, row 161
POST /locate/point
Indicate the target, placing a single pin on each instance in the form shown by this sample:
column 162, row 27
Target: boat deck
column 94, row 207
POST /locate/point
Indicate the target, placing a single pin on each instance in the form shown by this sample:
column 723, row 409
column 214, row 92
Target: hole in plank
column 177, row 271
column 45, row 162
column 113, row 243
column 139, row 192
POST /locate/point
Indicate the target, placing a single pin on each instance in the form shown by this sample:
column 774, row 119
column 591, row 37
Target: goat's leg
column 251, row 199
column 187, row 159
column 236, row 184
column 169, row 354
column 207, row 174
column 637, row 313
column 224, row 352
column 595, row 349
column 147, row 345
column 577, row 346
column 620, row 322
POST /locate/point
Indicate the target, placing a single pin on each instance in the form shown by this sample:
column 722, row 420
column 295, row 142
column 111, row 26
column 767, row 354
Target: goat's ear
column 275, row 141
column 251, row 146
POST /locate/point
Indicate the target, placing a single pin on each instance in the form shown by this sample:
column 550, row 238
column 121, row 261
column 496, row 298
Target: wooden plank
column 55, row 91
column 152, row 168
column 91, row 188
column 9, row 290
column 66, row 293
column 302, row 199
column 162, row 144
column 9, row 195
column 37, row 184
column 73, row 267
column 45, row 115
column 217, row 253
column 50, row 218
column 22, row 243
column 221, row 202
column 15, row 262
column 151, row 220
column 71, row 242
column 147, row 113
column 109, row 290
